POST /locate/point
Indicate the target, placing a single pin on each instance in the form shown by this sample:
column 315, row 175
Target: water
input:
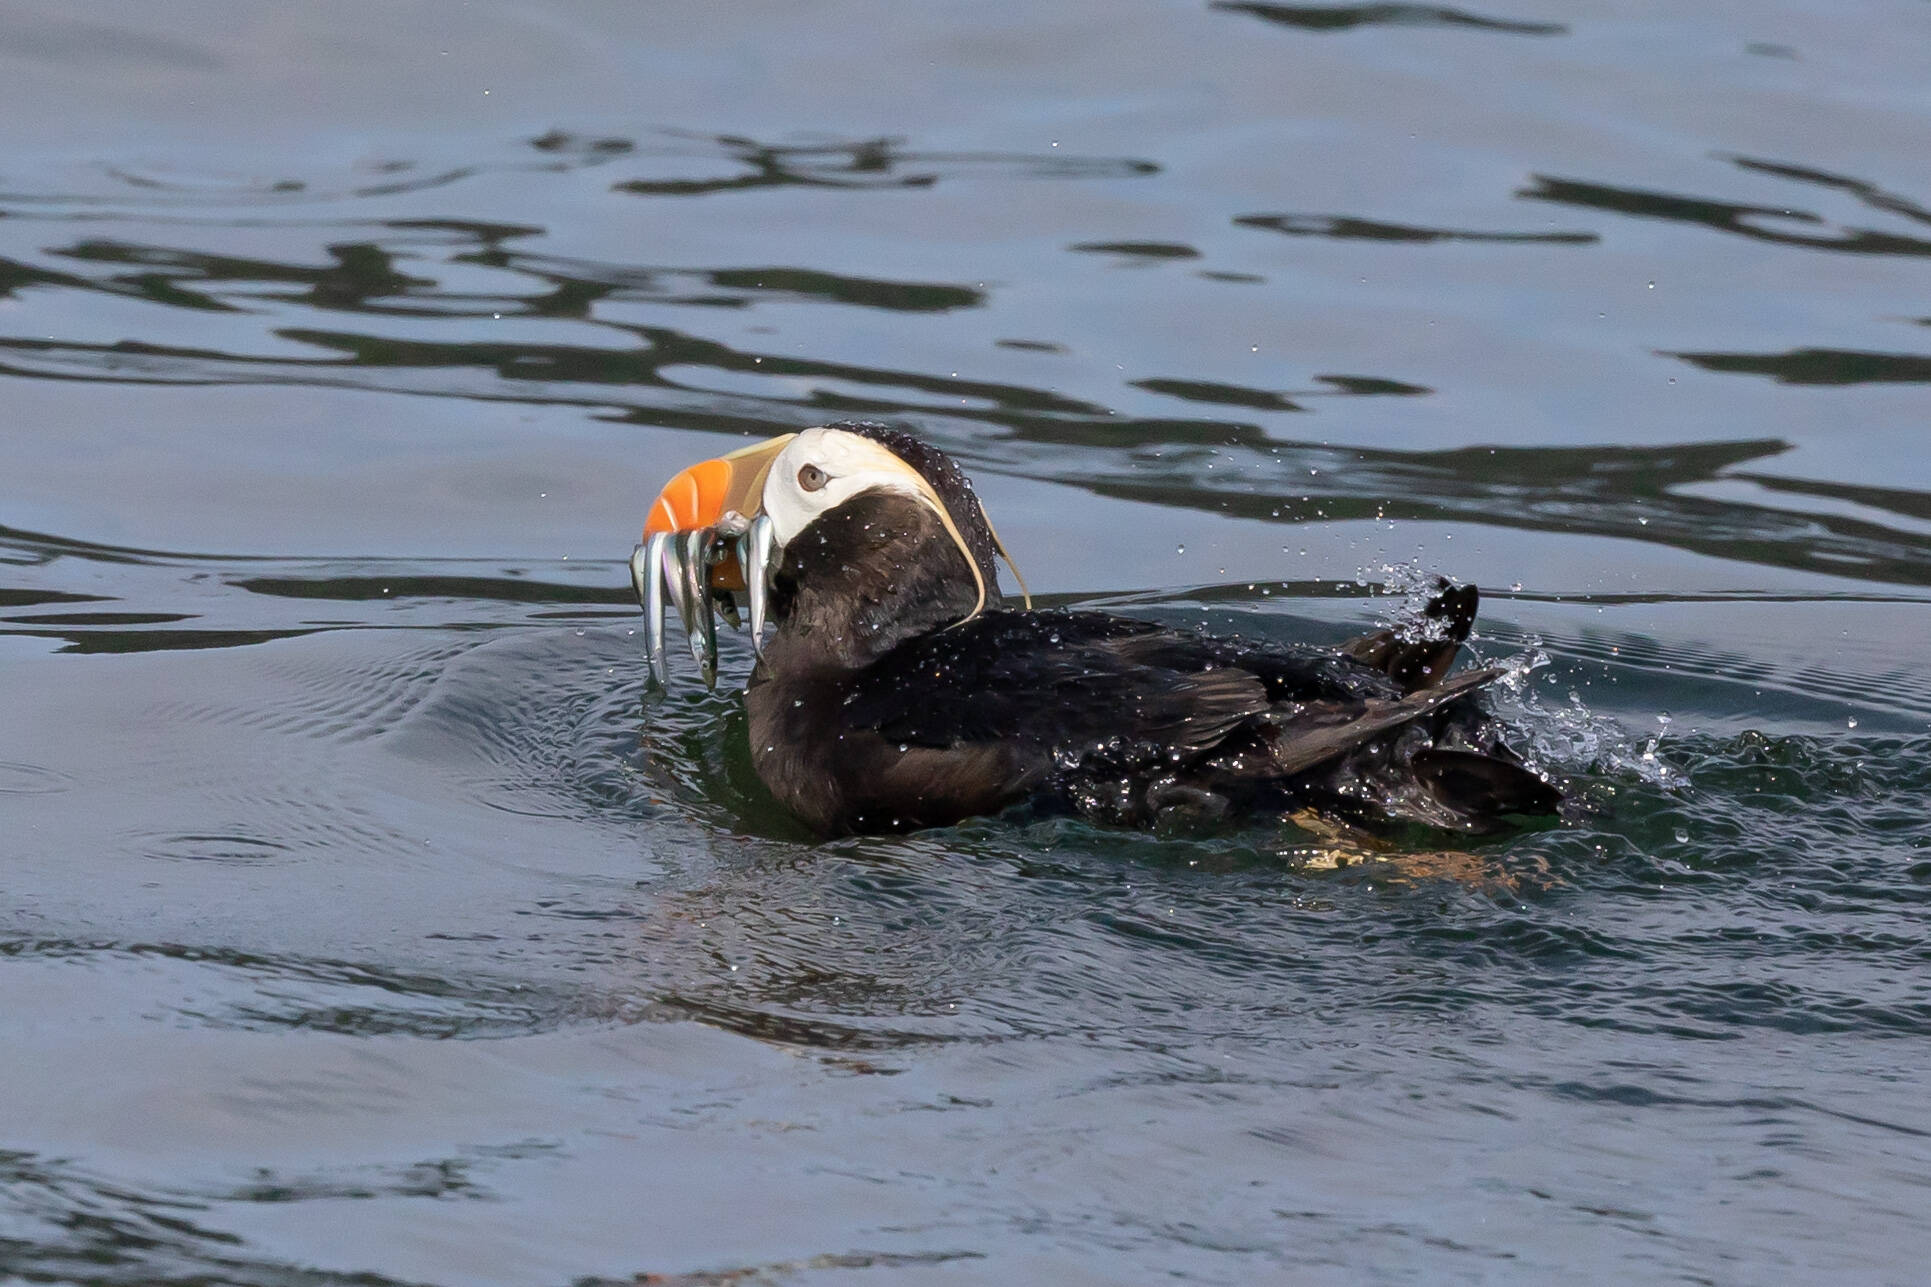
column 361, row 927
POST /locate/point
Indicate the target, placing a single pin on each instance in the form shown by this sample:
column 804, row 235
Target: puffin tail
column 1418, row 663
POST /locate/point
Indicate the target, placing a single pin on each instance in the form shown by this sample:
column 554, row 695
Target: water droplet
column 1663, row 718
column 1682, row 835
column 1180, row 549
column 1851, row 722
column 1516, row 586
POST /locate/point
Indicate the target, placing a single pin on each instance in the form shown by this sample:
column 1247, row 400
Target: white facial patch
column 851, row 463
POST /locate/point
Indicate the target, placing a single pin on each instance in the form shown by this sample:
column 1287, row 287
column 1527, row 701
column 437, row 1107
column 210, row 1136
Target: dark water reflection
column 1821, row 366
column 365, row 926
column 864, row 164
column 666, row 377
column 1747, row 220
column 1345, row 17
column 1351, row 228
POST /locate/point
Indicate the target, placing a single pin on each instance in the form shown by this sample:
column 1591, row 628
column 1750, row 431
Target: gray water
column 362, row 926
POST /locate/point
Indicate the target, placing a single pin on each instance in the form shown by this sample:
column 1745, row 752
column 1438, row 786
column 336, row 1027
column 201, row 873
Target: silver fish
column 648, row 575
column 757, row 553
column 694, row 601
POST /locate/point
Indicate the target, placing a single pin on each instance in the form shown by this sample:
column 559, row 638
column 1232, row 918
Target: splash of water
column 1405, row 589
column 1557, row 737
column 1568, row 735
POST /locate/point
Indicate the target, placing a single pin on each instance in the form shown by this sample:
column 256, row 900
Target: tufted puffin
column 898, row 690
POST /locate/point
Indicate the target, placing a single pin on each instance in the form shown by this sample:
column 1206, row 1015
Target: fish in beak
column 707, row 539
column 717, row 530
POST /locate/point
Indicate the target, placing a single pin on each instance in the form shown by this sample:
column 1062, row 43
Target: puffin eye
column 812, row 478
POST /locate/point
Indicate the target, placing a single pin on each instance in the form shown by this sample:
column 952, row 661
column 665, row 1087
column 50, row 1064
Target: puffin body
column 898, row 691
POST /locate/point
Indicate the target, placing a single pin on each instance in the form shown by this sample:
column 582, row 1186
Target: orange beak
column 715, row 493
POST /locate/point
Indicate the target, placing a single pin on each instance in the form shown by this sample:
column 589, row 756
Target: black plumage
column 883, row 702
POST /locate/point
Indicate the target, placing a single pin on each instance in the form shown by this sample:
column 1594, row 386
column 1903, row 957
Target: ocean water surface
column 363, row 925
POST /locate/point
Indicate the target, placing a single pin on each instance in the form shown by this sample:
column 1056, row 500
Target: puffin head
column 850, row 518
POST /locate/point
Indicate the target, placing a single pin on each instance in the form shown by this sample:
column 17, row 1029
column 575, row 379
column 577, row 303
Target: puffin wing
column 1409, row 659
column 1314, row 734
column 1056, row 682
column 1072, row 683
column 1075, row 684
column 1112, row 699
column 1290, row 672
